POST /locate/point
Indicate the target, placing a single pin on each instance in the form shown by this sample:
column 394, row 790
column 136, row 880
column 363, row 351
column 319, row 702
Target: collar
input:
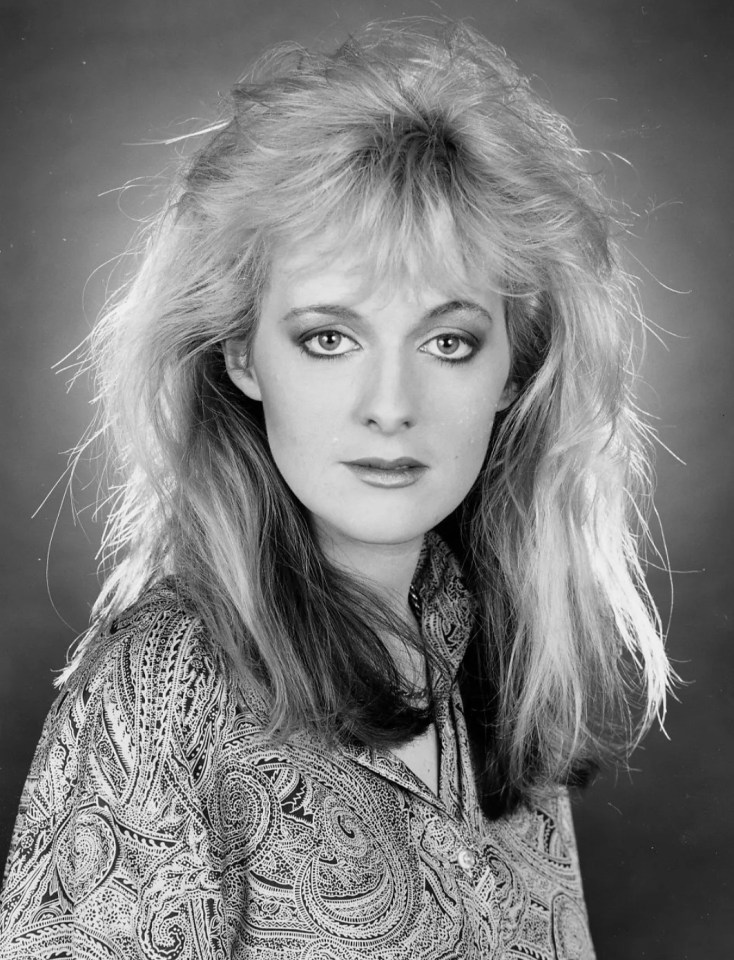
column 446, row 607
column 446, row 611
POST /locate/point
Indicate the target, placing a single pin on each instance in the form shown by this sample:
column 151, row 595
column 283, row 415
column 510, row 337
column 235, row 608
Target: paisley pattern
column 160, row 822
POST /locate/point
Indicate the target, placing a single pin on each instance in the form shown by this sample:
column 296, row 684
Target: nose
column 388, row 395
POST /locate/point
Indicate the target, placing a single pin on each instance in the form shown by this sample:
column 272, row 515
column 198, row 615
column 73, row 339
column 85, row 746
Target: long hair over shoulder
column 428, row 153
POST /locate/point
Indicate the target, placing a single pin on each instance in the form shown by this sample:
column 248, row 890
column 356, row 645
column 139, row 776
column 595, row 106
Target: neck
column 387, row 567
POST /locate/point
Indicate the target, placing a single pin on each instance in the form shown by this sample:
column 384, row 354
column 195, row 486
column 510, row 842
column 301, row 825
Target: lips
column 377, row 463
column 388, row 474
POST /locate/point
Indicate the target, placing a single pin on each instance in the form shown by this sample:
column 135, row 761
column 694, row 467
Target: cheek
column 471, row 439
column 299, row 420
column 464, row 423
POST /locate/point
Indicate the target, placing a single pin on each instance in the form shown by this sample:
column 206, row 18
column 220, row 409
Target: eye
column 328, row 343
column 453, row 347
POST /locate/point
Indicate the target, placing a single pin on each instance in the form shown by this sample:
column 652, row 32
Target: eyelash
column 322, row 356
column 463, row 338
column 470, row 342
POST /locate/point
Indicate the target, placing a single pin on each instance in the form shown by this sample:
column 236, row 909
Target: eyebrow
column 340, row 311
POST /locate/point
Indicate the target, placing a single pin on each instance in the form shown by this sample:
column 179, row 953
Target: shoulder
column 552, row 805
column 160, row 628
column 534, row 857
column 142, row 698
column 116, row 817
column 141, row 720
column 541, row 832
column 153, row 658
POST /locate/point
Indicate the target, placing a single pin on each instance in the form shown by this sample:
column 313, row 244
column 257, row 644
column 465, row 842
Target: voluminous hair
column 432, row 156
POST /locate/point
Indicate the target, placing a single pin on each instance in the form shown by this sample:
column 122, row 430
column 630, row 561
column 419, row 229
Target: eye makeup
column 319, row 338
column 470, row 344
column 450, row 345
column 462, row 346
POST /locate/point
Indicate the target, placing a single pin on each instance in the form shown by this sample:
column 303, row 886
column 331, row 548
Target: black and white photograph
column 367, row 480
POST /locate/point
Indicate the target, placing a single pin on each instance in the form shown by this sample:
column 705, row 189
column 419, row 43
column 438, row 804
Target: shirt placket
column 463, row 849
column 461, row 801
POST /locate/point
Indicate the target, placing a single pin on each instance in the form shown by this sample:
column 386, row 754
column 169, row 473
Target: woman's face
column 378, row 403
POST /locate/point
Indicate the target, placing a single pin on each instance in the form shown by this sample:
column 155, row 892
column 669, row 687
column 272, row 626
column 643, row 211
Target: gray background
column 85, row 83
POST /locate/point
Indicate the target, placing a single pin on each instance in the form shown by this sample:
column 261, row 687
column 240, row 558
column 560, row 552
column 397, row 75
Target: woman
column 375, row 598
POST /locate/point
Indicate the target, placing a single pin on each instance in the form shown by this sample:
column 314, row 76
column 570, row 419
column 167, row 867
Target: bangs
column 398, row 230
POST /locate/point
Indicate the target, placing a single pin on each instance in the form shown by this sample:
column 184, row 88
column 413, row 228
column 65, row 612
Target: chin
column 383, row 530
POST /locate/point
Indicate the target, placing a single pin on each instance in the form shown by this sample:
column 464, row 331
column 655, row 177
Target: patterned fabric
column 158, row 821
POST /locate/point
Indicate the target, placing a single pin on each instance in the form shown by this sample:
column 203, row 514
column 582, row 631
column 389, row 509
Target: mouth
column 377, row 463
column 377, row 472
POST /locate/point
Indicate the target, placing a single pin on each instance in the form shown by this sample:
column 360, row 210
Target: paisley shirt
column 160, row 822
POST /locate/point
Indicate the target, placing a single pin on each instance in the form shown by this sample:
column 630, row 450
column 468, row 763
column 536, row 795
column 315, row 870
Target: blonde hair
column 381, row 144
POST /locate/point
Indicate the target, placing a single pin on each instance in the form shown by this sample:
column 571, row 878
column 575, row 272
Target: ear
column 240, row 369
column 508, row 395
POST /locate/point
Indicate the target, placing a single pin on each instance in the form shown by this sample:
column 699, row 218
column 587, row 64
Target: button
column 467, row 859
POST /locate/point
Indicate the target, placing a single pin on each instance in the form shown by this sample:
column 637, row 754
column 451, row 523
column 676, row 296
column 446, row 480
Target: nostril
column 389, row 425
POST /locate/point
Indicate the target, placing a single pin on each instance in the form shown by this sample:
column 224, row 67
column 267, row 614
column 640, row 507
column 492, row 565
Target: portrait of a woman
column 374, row 598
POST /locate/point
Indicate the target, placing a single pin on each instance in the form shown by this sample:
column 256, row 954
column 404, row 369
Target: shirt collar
column 446, row 613
column 447, row 608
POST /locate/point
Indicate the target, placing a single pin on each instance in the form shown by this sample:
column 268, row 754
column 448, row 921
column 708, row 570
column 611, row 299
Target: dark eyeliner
column 469, row 339
column 303, row 338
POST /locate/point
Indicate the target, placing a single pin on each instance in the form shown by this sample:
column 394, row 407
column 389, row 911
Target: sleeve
column 115, row 852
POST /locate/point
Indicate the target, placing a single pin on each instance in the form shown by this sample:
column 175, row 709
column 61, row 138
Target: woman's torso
column 160, row 819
